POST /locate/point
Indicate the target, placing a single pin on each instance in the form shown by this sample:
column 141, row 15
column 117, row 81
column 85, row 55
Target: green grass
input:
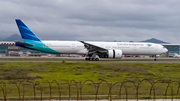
column 27, row 72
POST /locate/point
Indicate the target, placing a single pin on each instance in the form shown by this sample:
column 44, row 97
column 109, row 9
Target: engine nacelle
column 114, row 54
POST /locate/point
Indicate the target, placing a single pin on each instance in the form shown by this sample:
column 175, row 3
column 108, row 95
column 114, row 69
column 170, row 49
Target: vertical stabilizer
column 25, row 32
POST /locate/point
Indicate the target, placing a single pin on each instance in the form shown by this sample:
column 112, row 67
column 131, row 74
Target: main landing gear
column 155, row 59
column 92, row 59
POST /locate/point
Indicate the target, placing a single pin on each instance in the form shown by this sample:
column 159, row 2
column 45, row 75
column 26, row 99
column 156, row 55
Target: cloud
column 108, row 20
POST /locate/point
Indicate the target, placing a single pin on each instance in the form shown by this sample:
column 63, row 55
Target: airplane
column 176, row 55
column 93, row 50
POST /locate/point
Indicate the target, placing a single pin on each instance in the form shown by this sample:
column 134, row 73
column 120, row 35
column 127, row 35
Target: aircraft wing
column 92, row 47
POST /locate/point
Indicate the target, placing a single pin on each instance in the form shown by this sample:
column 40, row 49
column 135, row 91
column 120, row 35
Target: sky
column 95, row 20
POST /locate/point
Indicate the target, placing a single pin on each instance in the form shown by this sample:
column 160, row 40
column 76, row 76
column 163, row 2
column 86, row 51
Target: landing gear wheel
column 92, row 59
column 155, row 59
column 87, row 59
column 96, row 59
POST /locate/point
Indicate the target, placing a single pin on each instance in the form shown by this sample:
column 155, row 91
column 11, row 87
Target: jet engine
column 114, row 54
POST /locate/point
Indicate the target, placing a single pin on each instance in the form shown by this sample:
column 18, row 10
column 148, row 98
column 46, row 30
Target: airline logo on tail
column 26, row 33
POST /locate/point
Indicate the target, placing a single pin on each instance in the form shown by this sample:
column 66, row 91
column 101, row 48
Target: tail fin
column 26, row 33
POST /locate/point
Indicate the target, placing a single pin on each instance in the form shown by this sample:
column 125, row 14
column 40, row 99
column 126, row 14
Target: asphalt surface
column 81, row 59
column 107, row 100
column 102, row 61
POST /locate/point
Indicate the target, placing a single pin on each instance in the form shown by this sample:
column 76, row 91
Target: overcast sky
column 102, row 20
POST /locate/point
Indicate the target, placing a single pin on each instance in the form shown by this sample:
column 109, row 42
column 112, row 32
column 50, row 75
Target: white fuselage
column 128, row 48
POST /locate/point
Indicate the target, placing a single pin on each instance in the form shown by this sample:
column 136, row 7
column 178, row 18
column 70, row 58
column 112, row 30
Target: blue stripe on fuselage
column 39, row 46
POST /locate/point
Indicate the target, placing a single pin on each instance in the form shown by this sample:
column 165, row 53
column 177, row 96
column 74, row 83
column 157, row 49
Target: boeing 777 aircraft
column 93, row 50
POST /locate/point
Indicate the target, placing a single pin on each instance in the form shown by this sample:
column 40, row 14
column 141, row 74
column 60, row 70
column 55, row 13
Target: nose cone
column 165, row 50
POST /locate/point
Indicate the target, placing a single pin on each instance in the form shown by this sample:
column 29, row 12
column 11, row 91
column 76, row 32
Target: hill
column 153, row 40
column 14, row 37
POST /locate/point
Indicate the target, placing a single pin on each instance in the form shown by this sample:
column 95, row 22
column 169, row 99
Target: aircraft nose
column 166, row 50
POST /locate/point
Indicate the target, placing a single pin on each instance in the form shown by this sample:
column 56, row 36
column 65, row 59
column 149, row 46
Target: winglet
column 81, row 41
column 25, row 32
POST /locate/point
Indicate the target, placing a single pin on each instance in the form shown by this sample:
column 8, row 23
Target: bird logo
column 149, row 45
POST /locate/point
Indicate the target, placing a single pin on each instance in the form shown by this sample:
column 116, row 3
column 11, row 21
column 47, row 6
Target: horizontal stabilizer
column 19, row 43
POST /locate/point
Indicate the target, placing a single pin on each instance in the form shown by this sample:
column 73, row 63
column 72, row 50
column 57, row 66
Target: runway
column 101, row 61
column 81, row 59
column 107, row 100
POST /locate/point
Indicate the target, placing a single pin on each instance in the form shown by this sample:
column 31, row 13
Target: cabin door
column 73, row 46
column 44, row 46
column 135, row 48
column 155, row 48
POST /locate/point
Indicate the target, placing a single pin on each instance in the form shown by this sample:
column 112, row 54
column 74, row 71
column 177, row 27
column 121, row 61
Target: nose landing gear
column 155, row 58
